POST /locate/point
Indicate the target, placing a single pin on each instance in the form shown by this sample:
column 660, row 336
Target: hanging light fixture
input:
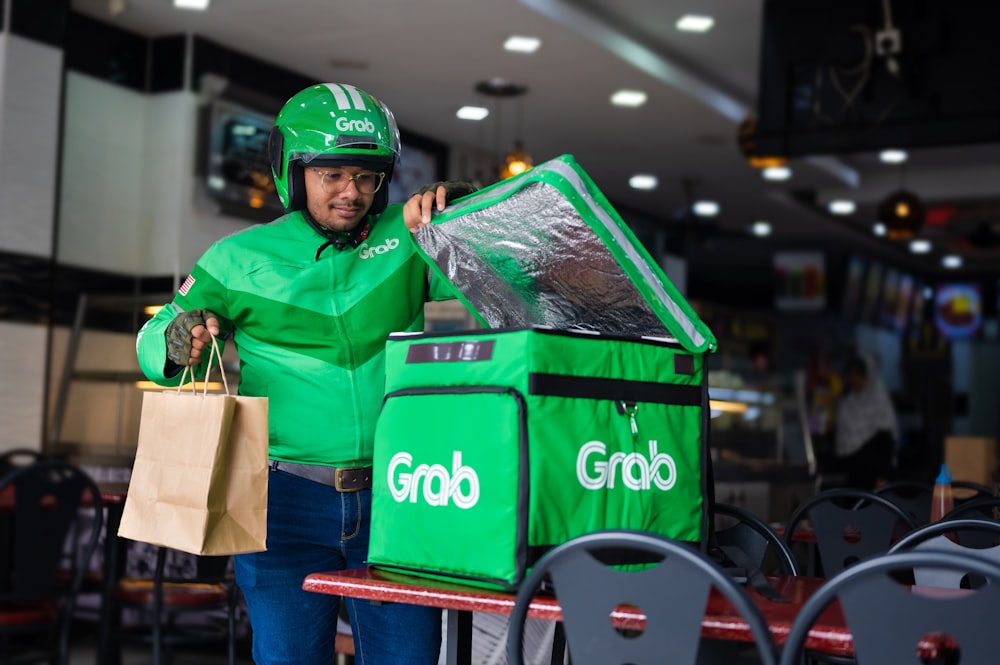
column 902, row 211
column 747, row 140
column 903, row 214
column 517, row 160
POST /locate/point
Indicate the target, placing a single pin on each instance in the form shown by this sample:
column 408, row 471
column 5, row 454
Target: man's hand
column 188, row 334
column 418, row 209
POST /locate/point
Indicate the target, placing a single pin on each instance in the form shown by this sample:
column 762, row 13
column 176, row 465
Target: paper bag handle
column 214, row 352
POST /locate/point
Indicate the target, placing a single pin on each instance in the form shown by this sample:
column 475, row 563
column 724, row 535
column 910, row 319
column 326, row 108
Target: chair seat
column 25, row 613
column 140, row 591
column 93, row 580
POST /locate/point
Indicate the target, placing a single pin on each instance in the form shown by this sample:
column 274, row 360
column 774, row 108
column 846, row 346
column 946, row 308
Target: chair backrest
column 48, row 497
column 672, row 590
column 18, row 457
column 912, row 496
column 939, row 537
column 980, row 507
column 747, row 533
column 978, row 490
column 887, row 620
column 56, row 516
column 985, row 507
column 850, row 525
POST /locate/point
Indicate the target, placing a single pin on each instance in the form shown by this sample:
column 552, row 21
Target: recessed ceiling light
column 522, row 44
column 893, row 156
column 628, row 98
column 841, row 207
column 777, row 173
column 760, row 228
column 472, row 113
column 695, row 23
column 705, row 208
column 920, row 246
column 951, row 261
column 643, row 181
column 191, row 4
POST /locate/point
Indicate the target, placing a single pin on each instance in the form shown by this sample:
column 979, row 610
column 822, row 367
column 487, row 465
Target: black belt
column 342, row 478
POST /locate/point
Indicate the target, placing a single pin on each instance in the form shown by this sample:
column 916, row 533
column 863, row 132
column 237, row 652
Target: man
column 309, row 300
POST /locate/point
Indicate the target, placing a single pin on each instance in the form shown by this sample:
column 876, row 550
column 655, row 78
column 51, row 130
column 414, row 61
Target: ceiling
column 425, row 58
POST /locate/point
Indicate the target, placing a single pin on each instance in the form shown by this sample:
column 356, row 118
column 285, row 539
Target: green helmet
column 331, row 124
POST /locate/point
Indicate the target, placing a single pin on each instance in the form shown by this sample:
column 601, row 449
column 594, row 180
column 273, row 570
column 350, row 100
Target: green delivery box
column 581, row 405
column 494, row 446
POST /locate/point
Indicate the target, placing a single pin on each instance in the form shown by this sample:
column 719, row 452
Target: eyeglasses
column 334, row 182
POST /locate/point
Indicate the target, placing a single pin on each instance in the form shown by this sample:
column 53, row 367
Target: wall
column 29, row 108
column 128, row 201
column 29, row 123
column 127, row 208
column 976, row 377
column 131, row 220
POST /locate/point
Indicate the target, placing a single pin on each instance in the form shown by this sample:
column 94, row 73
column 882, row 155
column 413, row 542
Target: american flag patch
column 186, row 286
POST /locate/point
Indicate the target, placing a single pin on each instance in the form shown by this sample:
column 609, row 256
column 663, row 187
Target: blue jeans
column 312, row 527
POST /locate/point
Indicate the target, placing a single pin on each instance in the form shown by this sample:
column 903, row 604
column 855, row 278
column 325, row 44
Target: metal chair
column 889, row 621
column 850, row 525
column 913, row 496
column 203, row 585
column 744, row 537
column 51, row 504
column 747, row 547
column 951, row 536
column 982, row 507
column 671, row 586
column 916, row 496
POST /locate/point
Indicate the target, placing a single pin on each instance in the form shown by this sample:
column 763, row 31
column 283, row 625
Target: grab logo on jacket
column 596, row 470
column 437, row 485
column 366, row 251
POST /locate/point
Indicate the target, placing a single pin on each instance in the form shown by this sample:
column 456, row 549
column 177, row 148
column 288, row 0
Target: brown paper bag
column 199, row 482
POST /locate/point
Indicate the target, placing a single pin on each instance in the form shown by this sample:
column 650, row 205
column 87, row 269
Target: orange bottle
column 943, row 500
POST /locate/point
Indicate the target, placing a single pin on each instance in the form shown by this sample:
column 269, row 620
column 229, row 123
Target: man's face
column 336, row 210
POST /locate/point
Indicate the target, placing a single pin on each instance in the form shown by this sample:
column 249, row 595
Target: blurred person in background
column 867, row 427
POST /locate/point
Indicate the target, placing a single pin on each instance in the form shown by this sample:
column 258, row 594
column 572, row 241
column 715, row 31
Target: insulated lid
column 546, row 248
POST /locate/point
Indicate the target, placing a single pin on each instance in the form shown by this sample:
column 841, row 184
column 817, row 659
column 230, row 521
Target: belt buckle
column 338, row 479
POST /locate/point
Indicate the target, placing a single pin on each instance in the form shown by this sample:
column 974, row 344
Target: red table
column 830, row 635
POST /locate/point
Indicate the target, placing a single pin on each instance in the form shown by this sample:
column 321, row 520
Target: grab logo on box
column 434, row 482
column 596, row 470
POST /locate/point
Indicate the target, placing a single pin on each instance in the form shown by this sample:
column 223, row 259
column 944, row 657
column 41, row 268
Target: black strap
column 338, row 239
column 322, row 247
column 592, row 387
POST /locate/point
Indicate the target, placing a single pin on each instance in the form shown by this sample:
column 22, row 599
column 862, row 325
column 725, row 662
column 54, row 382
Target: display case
column 761, row 446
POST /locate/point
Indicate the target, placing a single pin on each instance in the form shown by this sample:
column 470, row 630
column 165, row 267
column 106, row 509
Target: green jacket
column 310, row 330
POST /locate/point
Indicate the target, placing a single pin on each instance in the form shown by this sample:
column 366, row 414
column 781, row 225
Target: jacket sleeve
column 201, row 290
